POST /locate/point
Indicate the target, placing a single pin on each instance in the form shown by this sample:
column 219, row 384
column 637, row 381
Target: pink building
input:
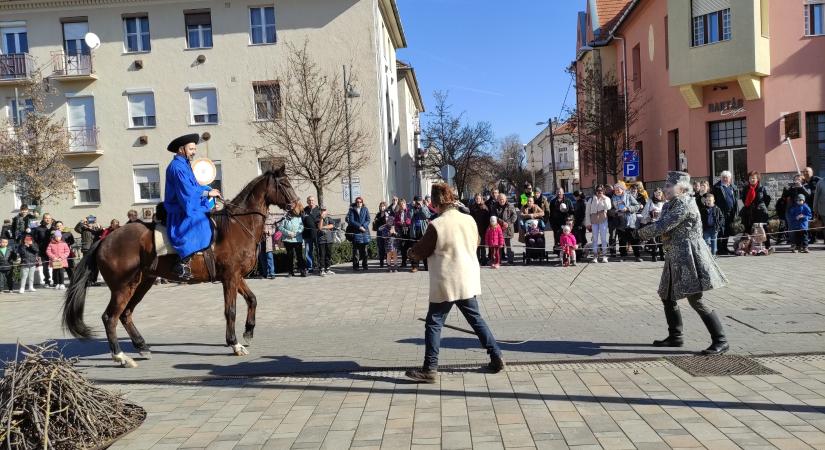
column 721, row 82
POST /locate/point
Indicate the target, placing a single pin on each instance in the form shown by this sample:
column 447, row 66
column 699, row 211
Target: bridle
column 233, row 210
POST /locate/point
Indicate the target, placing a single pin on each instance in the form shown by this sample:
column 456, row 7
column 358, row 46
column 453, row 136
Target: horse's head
column 279, row 190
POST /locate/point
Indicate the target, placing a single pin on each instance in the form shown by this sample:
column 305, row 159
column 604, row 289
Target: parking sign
column 631, row 170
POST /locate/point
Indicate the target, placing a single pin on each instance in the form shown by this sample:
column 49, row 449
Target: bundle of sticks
column 46, row 403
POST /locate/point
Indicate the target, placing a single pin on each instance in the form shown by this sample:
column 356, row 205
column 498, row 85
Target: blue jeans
column 309, row 250
column 436, row 316
column 710, row 239
column 266, row 262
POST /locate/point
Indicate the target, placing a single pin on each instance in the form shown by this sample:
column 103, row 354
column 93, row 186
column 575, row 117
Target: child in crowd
column 6, row 261
column 27, row 254
column 758, row 238
column 798, row 218
column 58, row 253
column 567, row 241
column 744, row 246
column 713, row 221
column 387, row 233
column 494, row 239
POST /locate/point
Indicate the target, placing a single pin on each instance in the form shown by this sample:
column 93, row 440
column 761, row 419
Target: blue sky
column 501, row 61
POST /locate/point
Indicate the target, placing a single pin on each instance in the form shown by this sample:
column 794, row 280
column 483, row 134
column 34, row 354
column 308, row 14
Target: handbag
column 351, row 231
column 58, row 264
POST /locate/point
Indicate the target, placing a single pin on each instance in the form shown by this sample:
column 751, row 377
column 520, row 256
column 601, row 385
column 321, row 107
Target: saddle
column 164, row 248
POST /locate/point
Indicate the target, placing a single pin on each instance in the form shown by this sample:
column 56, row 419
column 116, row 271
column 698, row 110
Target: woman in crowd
column 114, row 225
column 755, row 199
column 326, row 237
column 379, row 221
column 292, row 228
column 403, row 224
column 481, row 215
column 579, row 230
column 651, row 214
column 595, row 218
column 358, row 219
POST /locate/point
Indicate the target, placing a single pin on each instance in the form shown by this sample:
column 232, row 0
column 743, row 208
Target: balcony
column 16, row 68
column 565, row 165
column 73, row 67
column 83, row 141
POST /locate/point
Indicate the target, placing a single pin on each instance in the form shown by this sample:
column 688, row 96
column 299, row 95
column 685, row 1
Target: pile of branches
column 46, row 403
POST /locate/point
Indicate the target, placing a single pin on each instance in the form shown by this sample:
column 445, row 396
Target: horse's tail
column 76, row 295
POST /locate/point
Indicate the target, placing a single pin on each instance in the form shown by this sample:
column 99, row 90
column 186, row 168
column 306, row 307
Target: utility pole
column 551, row 124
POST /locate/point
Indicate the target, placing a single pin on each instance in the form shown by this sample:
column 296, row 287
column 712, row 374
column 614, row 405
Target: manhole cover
column 719, row 365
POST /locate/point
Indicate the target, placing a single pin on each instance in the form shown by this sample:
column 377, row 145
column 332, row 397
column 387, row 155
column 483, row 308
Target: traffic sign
column 447, row 172
column 631, row 170
column 630, row 156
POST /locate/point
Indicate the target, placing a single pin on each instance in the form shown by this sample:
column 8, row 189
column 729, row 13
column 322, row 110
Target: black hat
column 417, row 198
column 193, row 138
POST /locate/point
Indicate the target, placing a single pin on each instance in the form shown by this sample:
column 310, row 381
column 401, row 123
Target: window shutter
column 814, row 2
column 147, row 175
column 202, row 101
column 75, row 30
column 87, row 180
column 138, row 105
column 203, row 18
column 702, row 7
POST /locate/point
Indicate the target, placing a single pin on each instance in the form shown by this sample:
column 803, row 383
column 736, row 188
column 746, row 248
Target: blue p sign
column 631, row 170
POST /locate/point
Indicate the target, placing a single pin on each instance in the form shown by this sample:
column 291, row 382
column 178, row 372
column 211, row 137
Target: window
column 204, row 106
column 262, row 25
column 142, row 110
column 218, row 183
column 667, row 46
column 18, row 114
column 711, row 28
column 728, row 133
column 815, row 139
column 198, row 29
column 87, row 186
column 266, row 164
column 74, row 34
column 728, row 148
column 673, row 149
column 136, row 34
column 267, row 100
column 814, row 18
column 14, row 40
column 147, row 184
column 637, row 68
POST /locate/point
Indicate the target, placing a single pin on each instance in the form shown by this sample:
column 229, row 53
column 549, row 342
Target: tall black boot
column 674, row 327
column 719, row 342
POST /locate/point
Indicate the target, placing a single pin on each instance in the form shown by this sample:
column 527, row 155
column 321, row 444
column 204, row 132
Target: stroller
column 534, row 241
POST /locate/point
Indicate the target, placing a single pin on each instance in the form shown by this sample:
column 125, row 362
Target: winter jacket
column 596, row 206
column 28, row 254
column 652, row 211
column 819, row 198
column 567, row 240
column 88, row 234
column 359, row 219
column 557, row 216
column 270, row 228
column 757, row 212
column 727, row 198
column 623, row 214
column 292, row 227
column 311, row 218
column 326, row 236
column 712, row 219
column 420, row 221
column 794, row 223
column 57, row 251
column 494, row 236
column 481, row 215
column 506, row 215
column 19, row 224
column 7, row 260
column 42, row 235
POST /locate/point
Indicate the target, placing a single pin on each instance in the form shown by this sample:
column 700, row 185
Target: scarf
column 750, row 196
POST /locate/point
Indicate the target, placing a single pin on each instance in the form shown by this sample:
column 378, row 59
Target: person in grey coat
column 689, row 269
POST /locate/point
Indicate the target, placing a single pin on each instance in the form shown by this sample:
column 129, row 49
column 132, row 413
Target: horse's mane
column 222, row 217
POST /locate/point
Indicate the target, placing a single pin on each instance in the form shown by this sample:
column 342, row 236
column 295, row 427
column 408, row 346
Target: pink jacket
column 494, row 237
column 567, row 240
column 58, row 251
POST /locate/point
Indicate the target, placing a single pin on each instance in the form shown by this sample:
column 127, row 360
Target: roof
column 565, row 128
column 407, row 72
column 608, row 14
column 389, row 11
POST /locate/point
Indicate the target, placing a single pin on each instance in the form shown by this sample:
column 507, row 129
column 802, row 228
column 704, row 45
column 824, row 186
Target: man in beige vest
column 450, row 245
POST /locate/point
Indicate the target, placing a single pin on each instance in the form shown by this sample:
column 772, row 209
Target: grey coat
column 689, row 265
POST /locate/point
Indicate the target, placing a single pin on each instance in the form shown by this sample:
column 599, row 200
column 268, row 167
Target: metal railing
column 72, row 65
column 16, row 66
column 565, row 165
column 83, row 139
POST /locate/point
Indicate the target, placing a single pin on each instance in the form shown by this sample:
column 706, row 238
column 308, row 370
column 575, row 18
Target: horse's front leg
column 230, row 295
column 251, row 305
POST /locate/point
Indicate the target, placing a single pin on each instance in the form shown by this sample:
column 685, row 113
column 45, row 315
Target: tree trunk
column 319, row 193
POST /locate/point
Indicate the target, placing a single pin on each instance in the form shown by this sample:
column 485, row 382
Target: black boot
column 674, row 327
column 183, row 270
column 719, row 342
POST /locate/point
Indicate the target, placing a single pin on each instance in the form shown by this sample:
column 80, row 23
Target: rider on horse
column 187, row 204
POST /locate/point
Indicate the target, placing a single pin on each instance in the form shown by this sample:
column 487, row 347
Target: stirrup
column 183, row 270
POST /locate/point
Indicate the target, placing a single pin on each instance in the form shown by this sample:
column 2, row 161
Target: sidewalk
column 645, row 405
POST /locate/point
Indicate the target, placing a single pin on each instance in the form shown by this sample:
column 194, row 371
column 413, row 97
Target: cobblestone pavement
column 644, row 405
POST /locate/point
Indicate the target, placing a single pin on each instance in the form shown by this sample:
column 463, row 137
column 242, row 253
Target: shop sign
column 732, row 107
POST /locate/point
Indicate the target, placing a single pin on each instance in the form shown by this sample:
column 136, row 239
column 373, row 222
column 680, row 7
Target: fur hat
column 675, row 177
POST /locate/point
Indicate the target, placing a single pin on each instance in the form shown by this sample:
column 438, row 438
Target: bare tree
column 605, row 128
column 32, row 147
column 308, row 124
column 452, row 141
column 513, row 169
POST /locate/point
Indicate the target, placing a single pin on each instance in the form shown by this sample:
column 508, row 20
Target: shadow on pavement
column 578, row 348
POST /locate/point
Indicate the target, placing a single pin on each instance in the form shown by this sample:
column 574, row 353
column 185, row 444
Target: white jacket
column 594, row 205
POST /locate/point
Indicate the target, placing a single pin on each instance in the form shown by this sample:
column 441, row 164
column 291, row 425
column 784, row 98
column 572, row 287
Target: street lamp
column 349, row 93
column 551, row 133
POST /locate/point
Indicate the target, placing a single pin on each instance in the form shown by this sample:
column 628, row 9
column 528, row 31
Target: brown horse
column 127, row 256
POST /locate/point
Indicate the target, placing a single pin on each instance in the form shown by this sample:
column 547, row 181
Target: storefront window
column 728, row 147
column 815, row 139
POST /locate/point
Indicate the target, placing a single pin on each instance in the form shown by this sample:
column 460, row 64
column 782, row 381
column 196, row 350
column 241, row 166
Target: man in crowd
column 312, row 214
column 42, row 235
column 526, row 193
column 21, row 223
column 507, row 217
column 560, row 207
column 420, row 214
column 726, row 196
column 90, row 232
column 811, row 181
column 132, row 217
column 492, row 199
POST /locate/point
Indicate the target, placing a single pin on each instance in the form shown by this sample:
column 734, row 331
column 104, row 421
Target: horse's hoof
column 247, row 339
column 124, row 361
column 146, row 354
column 239, row 350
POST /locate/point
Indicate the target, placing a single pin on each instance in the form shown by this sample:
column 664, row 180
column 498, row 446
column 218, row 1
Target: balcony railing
column 565, row 165
column 16, row 66
column 83, row 139
column 78, row 66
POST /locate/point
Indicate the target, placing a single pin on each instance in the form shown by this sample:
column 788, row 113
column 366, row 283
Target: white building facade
column 566, row 148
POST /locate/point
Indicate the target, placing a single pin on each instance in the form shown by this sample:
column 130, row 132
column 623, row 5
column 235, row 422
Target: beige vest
column 454, row 270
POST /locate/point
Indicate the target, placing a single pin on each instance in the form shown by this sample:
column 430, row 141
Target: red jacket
column 57, row 251
column 494, row 237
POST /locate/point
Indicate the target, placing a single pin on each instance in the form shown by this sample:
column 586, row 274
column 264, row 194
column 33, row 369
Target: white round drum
column 205, row 171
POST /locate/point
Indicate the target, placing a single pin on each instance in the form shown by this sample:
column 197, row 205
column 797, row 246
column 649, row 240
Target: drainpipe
column 626, row 92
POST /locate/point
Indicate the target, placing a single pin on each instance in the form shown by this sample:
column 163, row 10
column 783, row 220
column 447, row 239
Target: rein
column 244, row 212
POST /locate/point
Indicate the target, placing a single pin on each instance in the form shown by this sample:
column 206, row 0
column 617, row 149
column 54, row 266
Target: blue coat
column 796, row 210
column 360, row 220
column 295, row 225
column 187, row 206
